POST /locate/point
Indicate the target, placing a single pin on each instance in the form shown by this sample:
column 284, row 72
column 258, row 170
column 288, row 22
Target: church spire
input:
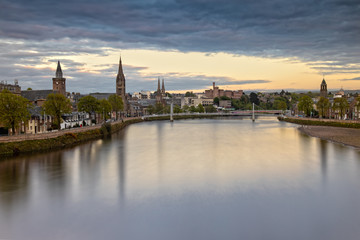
column 120, row 71
column 120, row 83
column 158, row 89
column 59, row 73
column 163, row 87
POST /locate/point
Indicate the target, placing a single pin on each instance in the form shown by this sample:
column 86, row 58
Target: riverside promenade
column 55, row 133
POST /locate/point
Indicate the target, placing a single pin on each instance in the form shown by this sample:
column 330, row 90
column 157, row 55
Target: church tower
column 159, row 98
column 59, row 83
column 120, row 84
column 323, row 89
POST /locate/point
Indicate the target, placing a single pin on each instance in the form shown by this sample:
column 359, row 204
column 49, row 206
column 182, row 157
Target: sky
column 257, row 45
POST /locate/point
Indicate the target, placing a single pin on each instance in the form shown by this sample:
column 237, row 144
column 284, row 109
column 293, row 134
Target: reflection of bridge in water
column 232, row 113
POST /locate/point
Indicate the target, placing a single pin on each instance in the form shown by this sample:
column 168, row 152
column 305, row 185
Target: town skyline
column 281, row 45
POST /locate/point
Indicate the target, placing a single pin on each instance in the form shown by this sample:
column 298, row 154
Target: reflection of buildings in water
column 160, row 150
column 323, row 157
column 17, row 174
column 122, row 165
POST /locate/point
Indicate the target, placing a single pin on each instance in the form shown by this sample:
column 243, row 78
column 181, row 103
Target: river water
column 190, row 179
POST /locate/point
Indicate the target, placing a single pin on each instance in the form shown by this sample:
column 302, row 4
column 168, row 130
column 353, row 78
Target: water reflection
column 203, row 179
column 323, row 157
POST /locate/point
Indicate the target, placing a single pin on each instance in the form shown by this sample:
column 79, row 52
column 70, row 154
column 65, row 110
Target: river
column 191, row 179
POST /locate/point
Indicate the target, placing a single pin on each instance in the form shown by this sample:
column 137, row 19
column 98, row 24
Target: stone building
column 59, row 83
column 217, row 92
column 159, row 93
column 120, row 85
column 13, row 88
column 323, row 89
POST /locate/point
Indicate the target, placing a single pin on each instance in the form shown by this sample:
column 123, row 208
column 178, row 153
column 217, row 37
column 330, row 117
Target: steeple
column 159, row 98
column 158, row 89
column 163, row 87
column 120, row 82
column 59, row 83
column 323, row 88
column 120, row 71
column 58, row 73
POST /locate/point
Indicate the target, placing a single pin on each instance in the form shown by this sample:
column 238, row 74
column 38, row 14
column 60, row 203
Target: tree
column 190, row 94
column 88, row 104
column 210, row 109
column 200, row 108
column 29, row 89
column 340, row 104
column 216, row 101
column 104, row 108
column 306, row 105
column 280, row 105
column 323, row 106
column 192, row 109
column 13, row 110
column 225, row 98
column 357, row 105
column 56, row 105
column 185, row 108
column 116, row 104
column 177, row 109
column 254, row 98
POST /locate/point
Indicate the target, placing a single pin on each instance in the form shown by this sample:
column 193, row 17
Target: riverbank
column 60, row 140
column 346, row 136
column 339, row 131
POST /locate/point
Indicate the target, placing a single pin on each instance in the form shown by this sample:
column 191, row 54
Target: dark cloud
column 324, row 33
column 351, row 79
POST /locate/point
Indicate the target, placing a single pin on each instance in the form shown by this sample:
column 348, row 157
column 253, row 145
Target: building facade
column 217, row 92
column 13, row 88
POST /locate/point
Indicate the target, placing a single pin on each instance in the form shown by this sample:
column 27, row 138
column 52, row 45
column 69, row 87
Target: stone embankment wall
column 54, row 134
column 13, row 145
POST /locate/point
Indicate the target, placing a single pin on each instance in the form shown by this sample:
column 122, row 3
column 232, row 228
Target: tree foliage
column 280, row 104
column 254, row 98
column 210, row 109
column 323, row 106
column 56, row 105
column 116, row 103
column 306, row 105
column 357, row 105
column 88, row 104
column 104, row 108
column 13, row 110
column 200, row 108
column 190, row 94
column 340, row 105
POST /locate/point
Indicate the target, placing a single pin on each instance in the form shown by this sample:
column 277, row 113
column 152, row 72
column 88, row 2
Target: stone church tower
column 159, row 97
column 120, row 85
column 323, row 89
column 59, row 83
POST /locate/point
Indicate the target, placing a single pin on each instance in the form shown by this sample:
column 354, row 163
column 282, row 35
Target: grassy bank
column 319, row 122
column 63, row 141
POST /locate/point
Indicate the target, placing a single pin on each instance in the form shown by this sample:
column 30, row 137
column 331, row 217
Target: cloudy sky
column 239, row 44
